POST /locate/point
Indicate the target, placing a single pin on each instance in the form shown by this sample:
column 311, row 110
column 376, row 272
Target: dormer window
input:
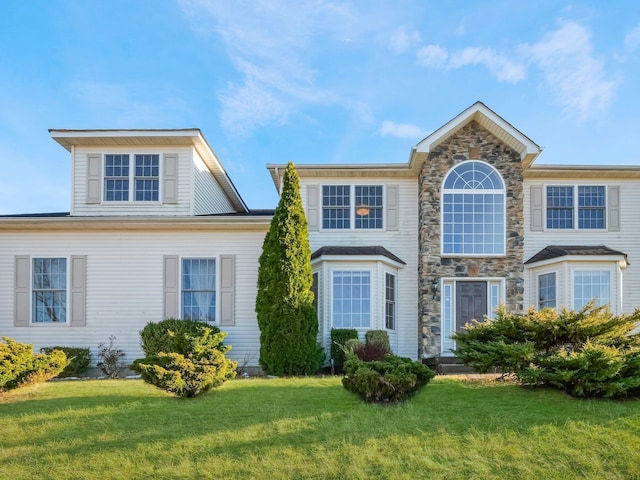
column 117, row 177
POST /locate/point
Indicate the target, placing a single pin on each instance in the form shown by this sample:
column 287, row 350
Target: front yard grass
column 313, row 428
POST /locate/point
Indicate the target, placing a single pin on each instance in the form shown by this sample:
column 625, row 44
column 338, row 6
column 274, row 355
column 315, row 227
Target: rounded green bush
column 184, row 357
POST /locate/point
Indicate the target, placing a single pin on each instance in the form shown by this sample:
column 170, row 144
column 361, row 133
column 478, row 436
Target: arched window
column 473, row 210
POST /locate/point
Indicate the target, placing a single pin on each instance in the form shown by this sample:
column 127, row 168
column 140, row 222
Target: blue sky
column 309, row 81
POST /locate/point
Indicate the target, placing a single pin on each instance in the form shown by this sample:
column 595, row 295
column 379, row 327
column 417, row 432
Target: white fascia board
column 482, row 114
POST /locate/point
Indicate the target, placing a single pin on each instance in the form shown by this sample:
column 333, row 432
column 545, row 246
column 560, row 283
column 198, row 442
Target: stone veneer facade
column 475, row 143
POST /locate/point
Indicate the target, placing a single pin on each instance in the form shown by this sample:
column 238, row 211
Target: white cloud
column 575, row 76
column 403, row 39
column 271, row 45
column 401, row 130
column 432, row 56
column 501, row 67
column 632, row 39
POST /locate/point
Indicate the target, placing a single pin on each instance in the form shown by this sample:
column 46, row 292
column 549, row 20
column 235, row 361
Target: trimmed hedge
column 390, row 381
column 184, row 357
column 78, row 358
column 339, row 338
column 20, row 366
column 380, row 337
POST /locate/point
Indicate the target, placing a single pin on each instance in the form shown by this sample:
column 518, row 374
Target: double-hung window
column 116, row 178
column 147, row 178
column 352, row 206
column 49, row 290
column 563, row 200
column 199, row 289
column 547, row 290
column 119, row 177
column 336, row 206
column 390, row 301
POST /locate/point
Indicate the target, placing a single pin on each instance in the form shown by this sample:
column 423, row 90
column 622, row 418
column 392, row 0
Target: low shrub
column 78, row 359
column 339, row 337
column 378, row 336
column 110, row 358
column 19, row 366
column 586, row 353
column 369, row 352
column 390, row 381
column 172, row 335
column 184, row 359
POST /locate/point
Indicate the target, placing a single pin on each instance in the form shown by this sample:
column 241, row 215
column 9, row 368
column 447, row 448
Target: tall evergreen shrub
column 284, row 304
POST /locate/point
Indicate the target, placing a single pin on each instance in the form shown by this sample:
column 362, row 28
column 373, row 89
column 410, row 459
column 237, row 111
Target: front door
column 471, row 302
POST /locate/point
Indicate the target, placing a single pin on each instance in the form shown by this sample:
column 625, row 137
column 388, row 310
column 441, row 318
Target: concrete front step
column 447, row 365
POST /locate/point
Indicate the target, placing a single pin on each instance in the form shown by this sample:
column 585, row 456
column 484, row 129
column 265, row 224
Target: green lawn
column 313, row 428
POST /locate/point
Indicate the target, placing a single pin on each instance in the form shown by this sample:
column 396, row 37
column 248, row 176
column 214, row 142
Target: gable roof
column 556, row 251
column 154, row 137
column 477, row 112
column 489, row 120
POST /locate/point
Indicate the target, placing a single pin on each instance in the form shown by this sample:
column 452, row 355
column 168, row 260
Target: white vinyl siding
column 124, row 283
column 402, row 242
column 80, row 206
column 625, row 286
column 208, row 196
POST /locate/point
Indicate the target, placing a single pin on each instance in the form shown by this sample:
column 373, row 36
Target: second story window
column 368, row 206
column 147, row 177
column 473, row 210
column 352, row 206
column 336, row 206
column 561, row 211
column 119, row 177
column 116, row 178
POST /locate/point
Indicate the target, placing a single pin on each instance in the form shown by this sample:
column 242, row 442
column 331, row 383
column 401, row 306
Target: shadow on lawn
column 249, row 417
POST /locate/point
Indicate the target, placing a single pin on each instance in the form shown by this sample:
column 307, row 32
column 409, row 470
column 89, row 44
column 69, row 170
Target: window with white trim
column 563, row 214
column 340, row 212
column 147, row 177
column 390, row 301
column 351, row 299
column 473, row 210
column 589, row 285
column 547, row 292
column 199, row 289
column 119, row 178
column 49, row 290
column 116, row 178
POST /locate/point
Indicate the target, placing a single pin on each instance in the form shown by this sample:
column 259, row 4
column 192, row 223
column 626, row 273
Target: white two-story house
column 157, row 229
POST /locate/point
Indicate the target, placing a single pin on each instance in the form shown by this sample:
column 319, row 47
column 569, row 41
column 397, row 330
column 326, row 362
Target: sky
column 318, row 81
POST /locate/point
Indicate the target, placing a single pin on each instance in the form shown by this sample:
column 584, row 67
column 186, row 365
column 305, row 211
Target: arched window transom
column 473, row 210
